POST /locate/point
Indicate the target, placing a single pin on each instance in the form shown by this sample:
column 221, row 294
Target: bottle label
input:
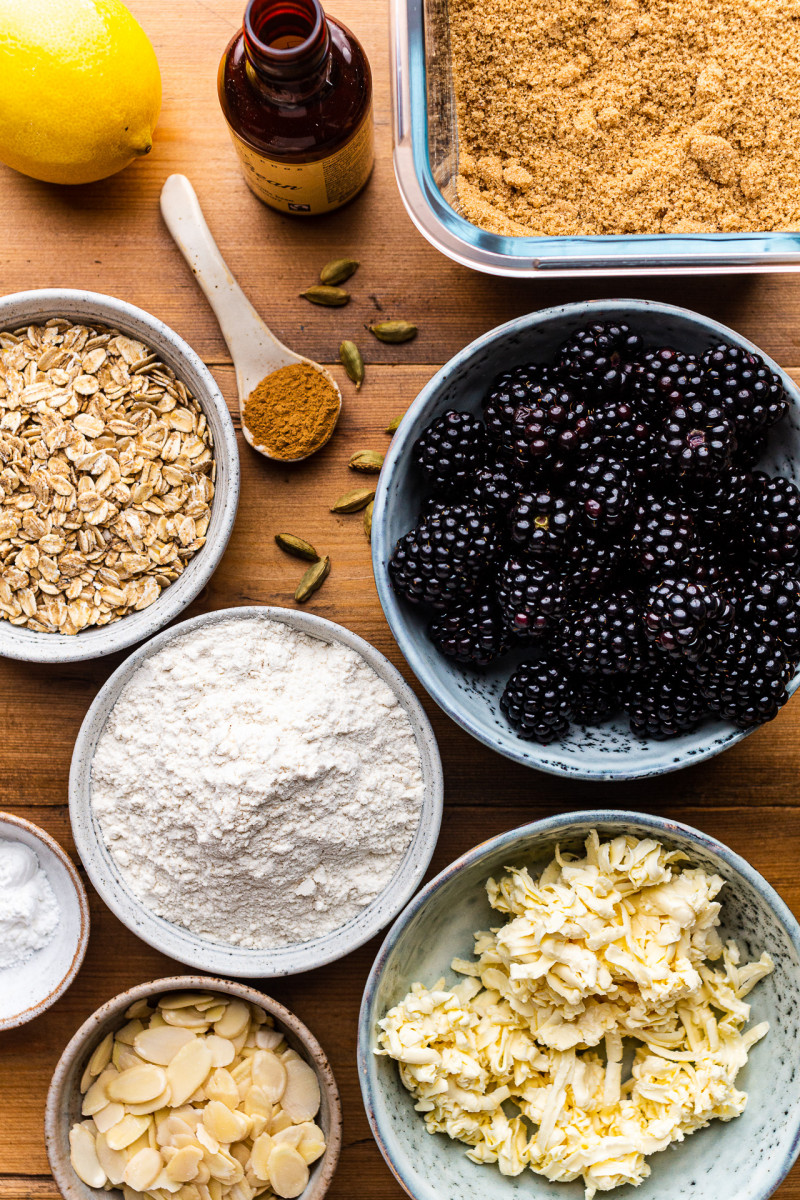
column 314, row 187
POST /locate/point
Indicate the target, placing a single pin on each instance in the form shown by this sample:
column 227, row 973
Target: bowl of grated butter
column 197, row 1088
column 573, row 998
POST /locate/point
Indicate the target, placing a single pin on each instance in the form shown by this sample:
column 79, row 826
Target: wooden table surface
column 109, row 238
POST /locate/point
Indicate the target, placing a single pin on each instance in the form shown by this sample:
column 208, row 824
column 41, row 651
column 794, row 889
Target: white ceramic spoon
column 255, row 350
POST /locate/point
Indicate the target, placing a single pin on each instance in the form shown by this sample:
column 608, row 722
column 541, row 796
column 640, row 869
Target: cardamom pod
column 368, row 520
column 393, row 331
column 367, row 460
column 297, row 547
column 393, row 425
column 313, row 579
column 352, row 502
column 329, row 297
column 337, row 270
column 353, row 363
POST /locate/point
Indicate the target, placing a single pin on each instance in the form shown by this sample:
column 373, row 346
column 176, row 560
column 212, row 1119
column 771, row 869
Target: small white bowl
column 27, row 308
column 63, row 1107
column 206, row 953
column 27, row 990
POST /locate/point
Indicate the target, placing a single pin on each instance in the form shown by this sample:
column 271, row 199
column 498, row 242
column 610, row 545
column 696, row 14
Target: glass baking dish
column 426, row 166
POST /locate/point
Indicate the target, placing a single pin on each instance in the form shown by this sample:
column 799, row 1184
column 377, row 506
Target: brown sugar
column 293, row 411
column 628, row 116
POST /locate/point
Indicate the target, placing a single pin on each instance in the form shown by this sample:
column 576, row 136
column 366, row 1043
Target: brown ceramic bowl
column 64, row 1100
column 28, row 989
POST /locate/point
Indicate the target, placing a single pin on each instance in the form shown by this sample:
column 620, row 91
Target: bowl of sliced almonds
column 197, row 1088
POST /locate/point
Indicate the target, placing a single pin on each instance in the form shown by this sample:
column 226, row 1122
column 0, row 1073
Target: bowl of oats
column 119, row 475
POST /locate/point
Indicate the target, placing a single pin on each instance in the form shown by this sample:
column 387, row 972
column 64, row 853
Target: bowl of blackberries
column 586, row 538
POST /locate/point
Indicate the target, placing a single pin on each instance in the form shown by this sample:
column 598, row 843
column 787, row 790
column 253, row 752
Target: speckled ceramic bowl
column 470, row 698
column 745, row 1158
column 30, row 988
column 203, row 952
column 24, row 308
column 64, row 1102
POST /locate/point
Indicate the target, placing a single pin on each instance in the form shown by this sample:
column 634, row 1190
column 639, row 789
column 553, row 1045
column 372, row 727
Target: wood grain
column 109, row 237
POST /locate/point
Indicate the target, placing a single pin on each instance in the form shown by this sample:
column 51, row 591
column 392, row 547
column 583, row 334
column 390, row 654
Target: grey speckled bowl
column 471, row 699
column 745, row 1158
column 63, row 1099
column 25, row 308
column 203, row 952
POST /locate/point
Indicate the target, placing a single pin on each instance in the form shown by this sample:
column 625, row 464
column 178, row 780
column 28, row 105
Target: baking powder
column 28, row 907
column 257, row 785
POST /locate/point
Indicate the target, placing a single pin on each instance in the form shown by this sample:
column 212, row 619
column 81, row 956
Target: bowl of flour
column 256, row 791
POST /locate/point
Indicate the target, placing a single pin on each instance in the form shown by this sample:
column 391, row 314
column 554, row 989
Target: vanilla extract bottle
column 296, row 90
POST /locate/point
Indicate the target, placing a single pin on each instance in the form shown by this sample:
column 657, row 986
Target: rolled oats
column 106, row 476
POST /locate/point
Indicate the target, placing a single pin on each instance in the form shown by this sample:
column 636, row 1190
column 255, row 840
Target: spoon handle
column 254, row 348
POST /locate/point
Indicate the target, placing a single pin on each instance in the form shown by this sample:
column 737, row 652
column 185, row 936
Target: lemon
column 80, row 89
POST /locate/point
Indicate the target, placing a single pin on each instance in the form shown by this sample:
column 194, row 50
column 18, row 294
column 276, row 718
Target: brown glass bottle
column 296, row 90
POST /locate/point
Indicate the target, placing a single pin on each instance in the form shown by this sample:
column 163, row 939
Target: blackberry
column 550, row 427
column 742, row 384
column 663, row 702
column 772, row 527
column 714, row 564
column 596, row 698
column 771, row 601
column 532, row 596
column 663, row 535
column 450, row 449
column 686, row 619
column 746, row 680
column 471, row 632
column 603, row 490
column 540, row 522
column 592, row 560
column 493, row 487
column 538, row 699
column 598, row 358
column 718, row 505
column 441, row 560
column 663, row 379
column 697, row 439
column 750, row 450
column 623, row 432
column 606, row 636
column 508, row 392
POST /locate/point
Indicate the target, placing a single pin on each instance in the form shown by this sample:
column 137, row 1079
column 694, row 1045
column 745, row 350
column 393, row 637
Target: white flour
column 257, row 785
column 28, row 907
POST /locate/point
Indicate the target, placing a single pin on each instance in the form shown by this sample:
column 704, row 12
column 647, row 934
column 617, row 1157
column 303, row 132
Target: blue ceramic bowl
column 745, row 1158
column 472, row 698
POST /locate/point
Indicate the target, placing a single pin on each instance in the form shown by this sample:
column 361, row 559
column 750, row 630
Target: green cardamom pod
column 367, row 460
column 368, row 520
column 352, row 502
column 393, row 331
column 337, row 270
column 297, row 547
column 329, row 297
column 313, row 579
column 393, row 426
column 353, row 363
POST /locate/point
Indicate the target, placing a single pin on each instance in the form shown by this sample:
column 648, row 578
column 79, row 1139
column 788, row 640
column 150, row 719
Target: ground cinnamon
column 293, row 411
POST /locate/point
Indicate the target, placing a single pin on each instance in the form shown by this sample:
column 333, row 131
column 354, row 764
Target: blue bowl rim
column 381, row 548
column 561, row 822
